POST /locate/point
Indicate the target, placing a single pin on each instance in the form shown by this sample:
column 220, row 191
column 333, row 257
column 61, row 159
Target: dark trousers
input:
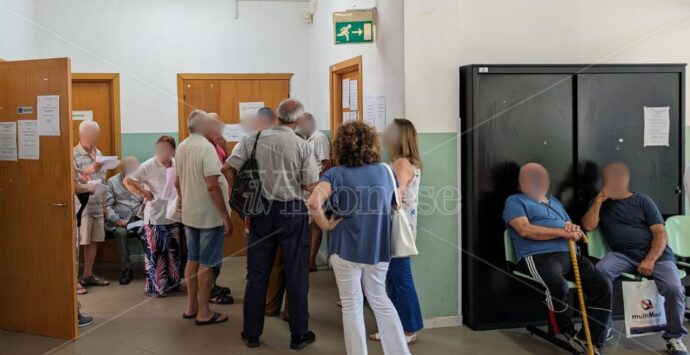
column 283, row 224
column 553, row 270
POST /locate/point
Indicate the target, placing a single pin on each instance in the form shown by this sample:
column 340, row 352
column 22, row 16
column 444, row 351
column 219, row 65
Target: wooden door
column 99, row 95
column 341, row 74
column 223, row 93
column 37, row 247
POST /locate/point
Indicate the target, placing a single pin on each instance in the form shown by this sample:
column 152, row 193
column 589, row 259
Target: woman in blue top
column 359, row 192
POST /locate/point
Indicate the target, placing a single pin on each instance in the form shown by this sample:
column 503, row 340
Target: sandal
column 188, row 316
column 222, row 299
column 81, row 290
column 410, row 339
column 94, row 280
column 214, row 320
column 220, row 290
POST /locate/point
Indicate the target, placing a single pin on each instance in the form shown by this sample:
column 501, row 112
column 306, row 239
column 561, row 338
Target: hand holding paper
column 109, row 161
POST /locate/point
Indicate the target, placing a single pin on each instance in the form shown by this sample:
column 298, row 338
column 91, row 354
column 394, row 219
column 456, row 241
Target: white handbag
column 402, row 238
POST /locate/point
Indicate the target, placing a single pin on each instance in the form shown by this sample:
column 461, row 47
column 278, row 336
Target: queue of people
column 181, row 197
column 633, row 228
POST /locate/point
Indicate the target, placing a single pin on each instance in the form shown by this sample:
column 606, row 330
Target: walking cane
column 580, row 295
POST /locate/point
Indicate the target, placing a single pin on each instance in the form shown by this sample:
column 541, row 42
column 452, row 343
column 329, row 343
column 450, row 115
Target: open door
column 224, row 94
column 346, row 93
column 37, row 246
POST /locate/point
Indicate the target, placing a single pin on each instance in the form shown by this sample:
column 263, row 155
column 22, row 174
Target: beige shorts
column 92, row 230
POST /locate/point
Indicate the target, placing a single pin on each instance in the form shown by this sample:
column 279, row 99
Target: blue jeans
column 205, row 245
column 667, row 280
column 401, row 290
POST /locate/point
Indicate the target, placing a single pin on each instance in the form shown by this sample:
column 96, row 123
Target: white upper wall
column 149, row 42
column 17, row 35
column 441, row 35
column 382, row 61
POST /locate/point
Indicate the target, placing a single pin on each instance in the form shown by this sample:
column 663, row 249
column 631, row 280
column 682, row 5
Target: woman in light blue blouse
column 360, row 193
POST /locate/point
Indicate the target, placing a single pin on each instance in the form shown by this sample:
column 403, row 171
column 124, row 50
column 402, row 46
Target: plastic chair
column 677, row 229
column 550, row 334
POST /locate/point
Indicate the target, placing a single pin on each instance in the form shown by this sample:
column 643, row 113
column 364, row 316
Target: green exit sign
column 354, row 32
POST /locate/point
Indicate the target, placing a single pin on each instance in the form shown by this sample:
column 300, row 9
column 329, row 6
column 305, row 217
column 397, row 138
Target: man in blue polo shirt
column 634, row 230
column 540, row 229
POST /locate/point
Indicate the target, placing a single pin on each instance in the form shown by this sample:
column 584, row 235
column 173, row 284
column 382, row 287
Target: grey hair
column 193, row 119
column 308, row 116
column 290, row 110
column 89, row 124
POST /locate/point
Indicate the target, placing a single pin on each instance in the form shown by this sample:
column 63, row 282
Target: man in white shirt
column 321, row 147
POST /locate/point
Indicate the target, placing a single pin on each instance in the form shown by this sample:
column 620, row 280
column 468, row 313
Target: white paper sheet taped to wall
column 346, row 94
column 249, row 109
column 48, row 115
column 233, row 132
column 353, row 95
column 28, row 140
column 8, row 141
column 657, row 126
column 82, row 115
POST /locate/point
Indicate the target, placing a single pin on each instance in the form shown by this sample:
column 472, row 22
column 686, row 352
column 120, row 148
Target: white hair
column 89, row 124
column 290, row 110
column 194, row 118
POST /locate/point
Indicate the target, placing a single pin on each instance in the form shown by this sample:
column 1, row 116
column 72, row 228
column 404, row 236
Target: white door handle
column 63, row 204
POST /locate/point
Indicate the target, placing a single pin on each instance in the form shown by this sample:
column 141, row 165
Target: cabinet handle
column 63, row 204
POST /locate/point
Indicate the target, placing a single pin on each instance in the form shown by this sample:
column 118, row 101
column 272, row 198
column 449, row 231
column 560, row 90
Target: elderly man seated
column 540, row 229
column 634, row 230
column 122, row 207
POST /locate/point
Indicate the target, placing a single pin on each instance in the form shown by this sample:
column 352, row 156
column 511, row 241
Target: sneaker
column 251, row 342
column 300, row 341
column 578, row 344
column 93, row 280
column 85, row 321
column 675, row 346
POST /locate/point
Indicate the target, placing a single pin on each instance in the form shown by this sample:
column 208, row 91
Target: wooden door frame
column 113, row 79
column 336, row 92
column 181, row 77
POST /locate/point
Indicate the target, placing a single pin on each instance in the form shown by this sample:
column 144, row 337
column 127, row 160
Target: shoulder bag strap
column 255, row 143
column 395, row 185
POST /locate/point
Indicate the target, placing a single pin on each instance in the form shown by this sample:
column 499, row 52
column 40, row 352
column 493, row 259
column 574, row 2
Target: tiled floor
column 128, row 322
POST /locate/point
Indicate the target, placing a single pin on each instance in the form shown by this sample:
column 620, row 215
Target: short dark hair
column 356, row 144
column 166, row 139
column 266, row 112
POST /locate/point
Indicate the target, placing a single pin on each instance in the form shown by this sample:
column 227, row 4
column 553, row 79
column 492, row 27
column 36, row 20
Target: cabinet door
column 520, row 118
column 610, row 123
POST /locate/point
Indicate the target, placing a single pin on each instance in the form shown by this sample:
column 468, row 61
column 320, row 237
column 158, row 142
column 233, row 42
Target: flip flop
column 213, row 320
column 187, row 316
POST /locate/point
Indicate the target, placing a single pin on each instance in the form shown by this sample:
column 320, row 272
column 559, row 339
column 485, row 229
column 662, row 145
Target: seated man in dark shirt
column 540, row 229
column 634, row 230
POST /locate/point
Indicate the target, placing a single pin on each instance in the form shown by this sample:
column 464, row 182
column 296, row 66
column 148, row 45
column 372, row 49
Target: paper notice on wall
column 375, row 111
column 48, row 115
column 82, row 115
column 657, row 126
column 233, row 132
column 249, row 109
column 8, row 141
column 28, row 139
column 353, row 95
column 346, row 93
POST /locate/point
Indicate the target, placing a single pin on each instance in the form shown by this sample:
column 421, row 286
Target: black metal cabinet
column 573, row 119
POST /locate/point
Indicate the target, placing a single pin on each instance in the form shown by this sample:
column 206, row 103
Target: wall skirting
column 443, row 322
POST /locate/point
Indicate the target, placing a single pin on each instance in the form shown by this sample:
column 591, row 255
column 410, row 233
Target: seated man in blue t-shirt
column 540, row 229
column 634, row 230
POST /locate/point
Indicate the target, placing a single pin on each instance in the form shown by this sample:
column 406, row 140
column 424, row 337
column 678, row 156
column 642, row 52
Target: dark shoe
column 126, row 277
column 93, row 280
column 300, row 341
column 675, row 346
column 578, row 344
column 85, row 321
column 251, row 342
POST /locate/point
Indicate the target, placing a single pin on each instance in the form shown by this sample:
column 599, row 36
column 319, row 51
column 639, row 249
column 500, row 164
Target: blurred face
column 391, row 136
column 88, row 137
column 616, row 180
column 534, row 181
column 306, row 126
column 217, row 128
column 164, row 152
column 129, row 165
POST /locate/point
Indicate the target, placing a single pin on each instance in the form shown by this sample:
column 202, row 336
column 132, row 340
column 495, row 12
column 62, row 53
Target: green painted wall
column 436, row 268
